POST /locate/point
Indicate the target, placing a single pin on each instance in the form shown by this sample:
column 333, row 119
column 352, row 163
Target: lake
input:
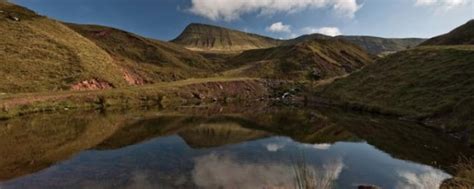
column 222, row 147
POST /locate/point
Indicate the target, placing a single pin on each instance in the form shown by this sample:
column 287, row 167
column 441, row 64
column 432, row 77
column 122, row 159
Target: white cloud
column 229, row 10
column 274, row 147
column 442, row 4
column 428, row 179
column 279, row 27
column 323, row 146
column 331, row 31
column 221, row 171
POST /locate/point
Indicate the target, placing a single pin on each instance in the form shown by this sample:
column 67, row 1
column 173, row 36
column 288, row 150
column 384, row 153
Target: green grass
column 432, row 81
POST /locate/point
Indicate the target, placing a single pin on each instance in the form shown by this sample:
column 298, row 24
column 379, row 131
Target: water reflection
column 185, row 148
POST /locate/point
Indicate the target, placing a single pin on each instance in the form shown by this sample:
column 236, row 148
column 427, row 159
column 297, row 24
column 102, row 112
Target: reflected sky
column 271, row 162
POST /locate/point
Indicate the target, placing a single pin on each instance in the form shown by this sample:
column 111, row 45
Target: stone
column 14, row 18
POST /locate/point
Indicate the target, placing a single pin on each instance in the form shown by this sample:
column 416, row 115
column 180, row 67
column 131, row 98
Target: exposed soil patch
column 92, row 84
column 132, row 78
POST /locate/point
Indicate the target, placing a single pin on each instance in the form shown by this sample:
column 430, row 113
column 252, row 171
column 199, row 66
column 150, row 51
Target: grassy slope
column 203, row 37
column 39, row 54
column 423, row 82
column 323, row 58
column 147, row 59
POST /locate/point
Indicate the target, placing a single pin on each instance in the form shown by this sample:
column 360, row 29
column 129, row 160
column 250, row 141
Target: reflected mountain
column 35, row 142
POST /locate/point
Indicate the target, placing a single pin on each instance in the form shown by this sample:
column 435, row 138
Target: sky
column 165, row 19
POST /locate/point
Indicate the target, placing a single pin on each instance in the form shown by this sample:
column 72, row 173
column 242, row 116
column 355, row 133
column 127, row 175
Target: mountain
column 314, row 59
column 463, row 35
column 202, row 37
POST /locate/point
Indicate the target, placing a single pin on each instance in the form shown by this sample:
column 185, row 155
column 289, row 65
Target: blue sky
column 165, row 19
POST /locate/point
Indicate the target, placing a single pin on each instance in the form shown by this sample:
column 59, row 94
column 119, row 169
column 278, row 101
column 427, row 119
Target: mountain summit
column 202, row 37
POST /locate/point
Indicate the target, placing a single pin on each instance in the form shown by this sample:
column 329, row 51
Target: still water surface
column 219, row 148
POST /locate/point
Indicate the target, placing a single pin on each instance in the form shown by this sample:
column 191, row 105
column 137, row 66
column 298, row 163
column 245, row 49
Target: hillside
column 202, row 37
column 146, row 60
column 314, row 60
column 432, row 84
column 380, row 46
column 39, row 54
column 463, row 35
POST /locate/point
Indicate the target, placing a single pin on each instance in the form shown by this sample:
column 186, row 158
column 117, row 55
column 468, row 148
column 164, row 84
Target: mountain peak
column 204, row 37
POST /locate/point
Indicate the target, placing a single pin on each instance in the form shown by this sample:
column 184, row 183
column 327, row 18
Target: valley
column 400, row 98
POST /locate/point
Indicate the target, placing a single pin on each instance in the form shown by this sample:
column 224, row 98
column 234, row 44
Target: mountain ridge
column 205, row 37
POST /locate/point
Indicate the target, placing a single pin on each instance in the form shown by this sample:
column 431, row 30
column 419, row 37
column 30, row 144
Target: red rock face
column 92, row 84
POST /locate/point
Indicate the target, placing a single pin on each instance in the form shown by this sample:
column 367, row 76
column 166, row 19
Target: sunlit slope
column 40, row 54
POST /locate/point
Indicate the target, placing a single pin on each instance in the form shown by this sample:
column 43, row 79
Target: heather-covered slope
column 463, row 35
column 202, row 37
column 39, row 54
column 309, row 60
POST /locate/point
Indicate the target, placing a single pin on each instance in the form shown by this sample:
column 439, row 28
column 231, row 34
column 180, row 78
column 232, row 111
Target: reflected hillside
column 34, row 142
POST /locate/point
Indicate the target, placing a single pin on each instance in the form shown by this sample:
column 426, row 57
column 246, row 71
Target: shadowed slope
column 463, row 35
column 436, row 82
